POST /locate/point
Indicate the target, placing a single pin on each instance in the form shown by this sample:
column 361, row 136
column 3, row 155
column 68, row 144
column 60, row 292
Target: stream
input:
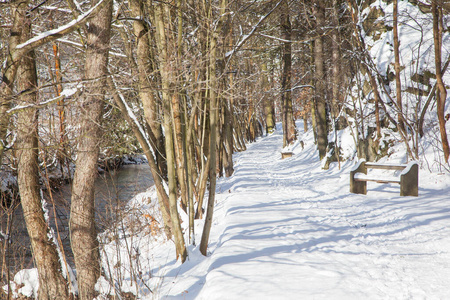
column 113, row 190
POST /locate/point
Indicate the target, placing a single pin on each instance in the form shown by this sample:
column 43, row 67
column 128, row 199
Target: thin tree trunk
column 83, row 233
column 163, row 198
column 269, row 110
column 144, row 57
column 213, row 124
column 441, row 93
column 179, row 149
column 313, row 95
column 322, row 133
column 289, row 131
column 52, row 284
column 62, row 151
column 171, row 174
column 336, row 59
column 228, row 139
column 398, row 84
column 167, row 80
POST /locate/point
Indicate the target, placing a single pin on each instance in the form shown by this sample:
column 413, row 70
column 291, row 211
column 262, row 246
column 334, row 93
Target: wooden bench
column 408, row 180
column 286, row 154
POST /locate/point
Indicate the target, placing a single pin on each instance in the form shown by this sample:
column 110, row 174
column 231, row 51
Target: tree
column 161, row 18
column 15, row 52
column 441, row 92
column 213, row 91
column 398, row 84
column 83, row 234
column 269, row 109
column 289, row 131
column 52, row 282
column 319, row 76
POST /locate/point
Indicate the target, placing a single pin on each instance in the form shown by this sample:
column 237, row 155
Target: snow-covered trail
column 286, row 229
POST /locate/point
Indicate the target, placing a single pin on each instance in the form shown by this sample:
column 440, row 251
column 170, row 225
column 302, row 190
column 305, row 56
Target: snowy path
column 286, row 229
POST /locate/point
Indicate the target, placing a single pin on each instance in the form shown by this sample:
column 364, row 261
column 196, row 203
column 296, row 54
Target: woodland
column 188, row 84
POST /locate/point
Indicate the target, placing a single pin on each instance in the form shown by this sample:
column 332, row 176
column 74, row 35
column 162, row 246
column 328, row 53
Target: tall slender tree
column 441, row 92
column 83, row 233
column 52, row 283
column 162, row 16
column 289, row 131
column 398, row 83
column 320, row 80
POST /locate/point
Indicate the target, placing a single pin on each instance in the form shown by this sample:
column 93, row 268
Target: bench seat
column 364, row 177
column 408, row 179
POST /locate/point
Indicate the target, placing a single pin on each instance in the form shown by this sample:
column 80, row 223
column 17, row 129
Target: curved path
column 286, row 229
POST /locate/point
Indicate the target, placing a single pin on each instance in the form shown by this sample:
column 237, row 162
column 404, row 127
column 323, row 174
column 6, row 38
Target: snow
column 59, row 29
column 25, row 283
column 287, row 229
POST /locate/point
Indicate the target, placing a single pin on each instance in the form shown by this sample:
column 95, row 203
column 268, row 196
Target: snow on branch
column 245, row 37
column 64, row 94
column 57, row 33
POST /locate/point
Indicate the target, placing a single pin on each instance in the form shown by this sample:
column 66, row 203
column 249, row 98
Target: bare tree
column 441, row 92
column 289, row 131
column 83, row 233
column 320, row 86
column 398, row 85
column 52, row 282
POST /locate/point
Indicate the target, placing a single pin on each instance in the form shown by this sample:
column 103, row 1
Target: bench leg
column 358, row 187
column 409, row 182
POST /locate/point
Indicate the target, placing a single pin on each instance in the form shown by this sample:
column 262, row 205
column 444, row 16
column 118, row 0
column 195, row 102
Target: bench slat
column 385, row 166
column 364, row 177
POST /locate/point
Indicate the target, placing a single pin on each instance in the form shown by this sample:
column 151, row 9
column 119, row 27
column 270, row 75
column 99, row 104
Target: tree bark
column 167, row 80
column 213, row 123
column 163, row 198
column 441, row 92
column 336, row 59
column 15, row 53
column 289, row 131
column 269, row 109
column 398, row 83
column 144, row 58
column 52, row 284
column 83, row 233
column 320, row 86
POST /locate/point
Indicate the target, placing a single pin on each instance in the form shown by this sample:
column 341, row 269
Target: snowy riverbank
column 287, row 229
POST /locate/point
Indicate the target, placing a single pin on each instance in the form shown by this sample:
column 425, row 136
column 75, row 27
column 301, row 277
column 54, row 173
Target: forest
column 188, row 84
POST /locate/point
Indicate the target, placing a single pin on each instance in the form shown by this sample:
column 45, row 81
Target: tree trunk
column 62, row 151
column 83, row 233
column 269, row 110
column 52, row 284
column 9, row 72
column 15, row 54
column 163, row 199
column 336, row 59
column 144, row 58
column 321, row 114
column 441, row 92
column 289, row 131
column 228, row 139
column 398, row 84
column 213, row 124
column 171, row 174
column 167, row 80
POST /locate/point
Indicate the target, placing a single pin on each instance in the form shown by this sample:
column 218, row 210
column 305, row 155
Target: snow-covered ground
column 287, row 229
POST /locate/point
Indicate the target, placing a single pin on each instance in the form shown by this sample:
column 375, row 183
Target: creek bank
column 114, row 188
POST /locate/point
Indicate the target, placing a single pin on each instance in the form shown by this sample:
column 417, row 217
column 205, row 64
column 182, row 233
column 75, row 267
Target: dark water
column 113, row 190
